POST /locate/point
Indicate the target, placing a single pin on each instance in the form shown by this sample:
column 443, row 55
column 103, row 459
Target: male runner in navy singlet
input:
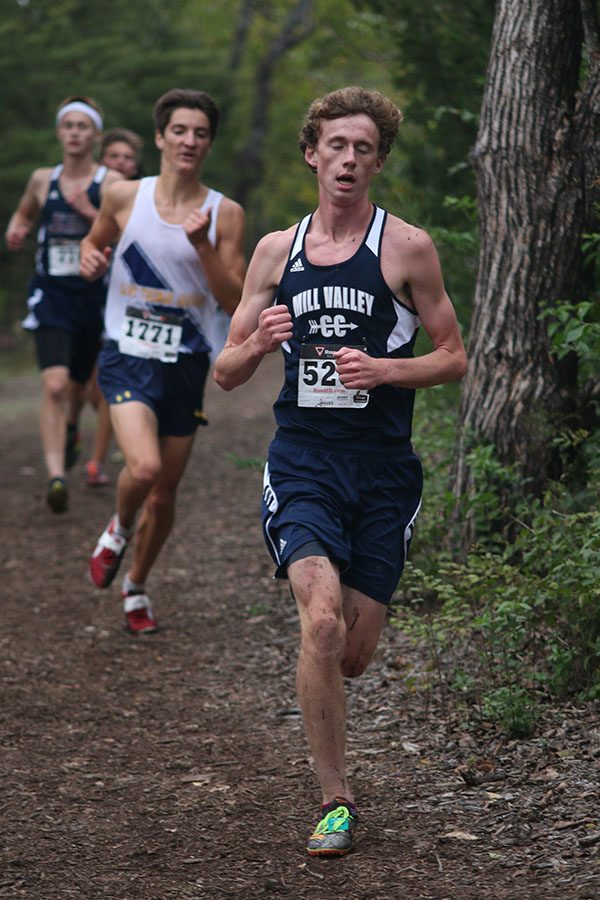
column 179, row 260
column 65, row 312
column 120, row 150
column 342, row 294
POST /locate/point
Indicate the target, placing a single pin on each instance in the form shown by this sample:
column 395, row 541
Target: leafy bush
column 514, row 623
column 518, row 619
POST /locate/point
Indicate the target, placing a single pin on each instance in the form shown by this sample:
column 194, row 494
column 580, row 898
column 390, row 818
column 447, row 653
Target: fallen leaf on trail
column 410, row 748
column 399, row 662
column 459, row 836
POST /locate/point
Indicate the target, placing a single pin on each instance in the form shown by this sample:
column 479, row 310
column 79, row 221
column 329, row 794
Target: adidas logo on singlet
column 297, row 267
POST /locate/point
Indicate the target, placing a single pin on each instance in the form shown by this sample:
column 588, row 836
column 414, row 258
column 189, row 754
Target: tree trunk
column 536, row 140
column 250, row 161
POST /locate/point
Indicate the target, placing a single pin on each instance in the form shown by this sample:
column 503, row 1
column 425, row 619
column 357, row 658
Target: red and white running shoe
column 95, row 474
column 107, row 555
column 139, row 618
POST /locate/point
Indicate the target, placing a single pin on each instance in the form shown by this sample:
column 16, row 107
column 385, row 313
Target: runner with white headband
column 80, row 106
column 65, row 312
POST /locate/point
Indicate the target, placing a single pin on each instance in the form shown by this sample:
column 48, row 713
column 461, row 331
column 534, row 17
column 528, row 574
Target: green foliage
column 440, row 62
column 574, row 328
column 459, row 253
column 517, row 620
column 435, row 421
column 126, row 55
column 245, row 462
column 574, row 331
column 514, row 709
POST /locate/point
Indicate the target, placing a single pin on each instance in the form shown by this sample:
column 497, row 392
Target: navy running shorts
column 360, row 507
column 173, row 391
column 80, row 312
column 56, row 347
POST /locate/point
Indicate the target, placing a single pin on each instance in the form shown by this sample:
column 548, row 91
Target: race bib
column 318, row 382
column 150, row 335
column 63, row 257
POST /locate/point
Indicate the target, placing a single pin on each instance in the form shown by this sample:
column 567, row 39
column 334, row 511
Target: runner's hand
column 274, row 327
column 357, row 369
column 15, row 236
column 196, row 227
column 94, row 263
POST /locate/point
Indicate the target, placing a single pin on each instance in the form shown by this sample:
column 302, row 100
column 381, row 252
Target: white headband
column 79, row 106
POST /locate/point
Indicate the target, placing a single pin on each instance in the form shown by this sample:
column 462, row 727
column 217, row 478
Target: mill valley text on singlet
column 347, row 304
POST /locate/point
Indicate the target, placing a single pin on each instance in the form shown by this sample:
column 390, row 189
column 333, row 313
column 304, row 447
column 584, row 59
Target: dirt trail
column 176, row 767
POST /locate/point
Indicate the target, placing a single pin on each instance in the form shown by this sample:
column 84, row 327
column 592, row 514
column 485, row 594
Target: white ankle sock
column 120, row 529
column 132, row 587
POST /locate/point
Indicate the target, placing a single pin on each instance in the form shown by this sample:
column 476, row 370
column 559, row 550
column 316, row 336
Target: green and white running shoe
column 57, row 495
column 333, row 835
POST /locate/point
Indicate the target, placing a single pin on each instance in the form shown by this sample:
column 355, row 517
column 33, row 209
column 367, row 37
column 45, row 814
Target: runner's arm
column 224, row 265
column 95, row 248
column 28, row 209
column 447, row 361
column 257, row 327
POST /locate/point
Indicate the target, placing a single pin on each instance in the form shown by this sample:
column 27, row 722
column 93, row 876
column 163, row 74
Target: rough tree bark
column 536, row 161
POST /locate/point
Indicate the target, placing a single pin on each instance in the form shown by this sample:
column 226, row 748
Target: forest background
column 509, row 614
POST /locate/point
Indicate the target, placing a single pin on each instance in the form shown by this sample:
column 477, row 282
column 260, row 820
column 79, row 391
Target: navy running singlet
column 347, row 304
column 60, row 232
column 58, row 296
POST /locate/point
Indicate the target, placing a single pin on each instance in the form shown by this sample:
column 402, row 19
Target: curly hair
column 125, row 136
column 350, row 101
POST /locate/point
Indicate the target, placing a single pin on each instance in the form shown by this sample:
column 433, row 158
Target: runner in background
column 120, row 150
column 179, row 258
column 65, row 311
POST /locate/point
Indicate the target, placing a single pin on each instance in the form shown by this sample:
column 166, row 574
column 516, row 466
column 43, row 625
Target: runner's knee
column 144, row 471
column 56, row 386
column 161, row 499
column 323, row 632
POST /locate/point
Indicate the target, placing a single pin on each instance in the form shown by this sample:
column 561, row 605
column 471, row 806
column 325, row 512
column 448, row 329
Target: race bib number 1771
column 149, row 335
column 319, row 384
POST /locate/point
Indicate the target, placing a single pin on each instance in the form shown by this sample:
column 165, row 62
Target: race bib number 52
column 149, row 335
column 318, row 382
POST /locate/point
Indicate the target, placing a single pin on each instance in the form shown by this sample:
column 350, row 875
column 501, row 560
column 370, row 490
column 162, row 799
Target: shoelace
column 336, row 820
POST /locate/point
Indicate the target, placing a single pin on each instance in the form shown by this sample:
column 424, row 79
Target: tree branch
column 250, row 161
column 591, row 27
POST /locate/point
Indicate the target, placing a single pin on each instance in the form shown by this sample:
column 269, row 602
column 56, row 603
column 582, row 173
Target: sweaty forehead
column 355, row 127
column 120, row 148
column 191, row 118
